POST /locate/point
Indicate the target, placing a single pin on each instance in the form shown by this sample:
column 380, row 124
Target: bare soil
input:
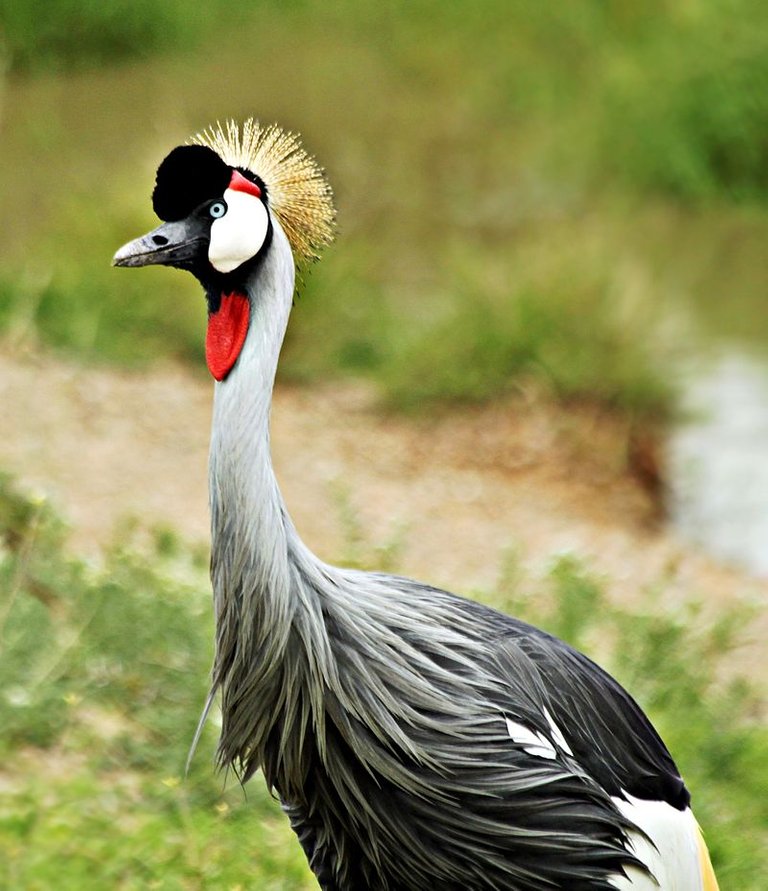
column 456, row 494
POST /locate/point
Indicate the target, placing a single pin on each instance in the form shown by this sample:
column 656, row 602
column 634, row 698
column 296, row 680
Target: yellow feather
column 297, row 191
column 707, row 873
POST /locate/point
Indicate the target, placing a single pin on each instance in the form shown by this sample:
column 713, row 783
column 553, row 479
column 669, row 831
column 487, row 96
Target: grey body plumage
column 363, row 697
column 392, row 718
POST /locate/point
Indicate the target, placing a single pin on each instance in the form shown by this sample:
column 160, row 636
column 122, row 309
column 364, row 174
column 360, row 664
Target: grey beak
column 172, row 244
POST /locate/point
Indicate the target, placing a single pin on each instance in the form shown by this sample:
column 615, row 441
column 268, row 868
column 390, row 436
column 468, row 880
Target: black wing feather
column 609, row 733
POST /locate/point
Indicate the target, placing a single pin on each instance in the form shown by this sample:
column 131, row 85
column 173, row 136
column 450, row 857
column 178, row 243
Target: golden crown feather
column 298, row 193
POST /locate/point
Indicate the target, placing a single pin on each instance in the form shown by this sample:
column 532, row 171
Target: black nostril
column 160, row 240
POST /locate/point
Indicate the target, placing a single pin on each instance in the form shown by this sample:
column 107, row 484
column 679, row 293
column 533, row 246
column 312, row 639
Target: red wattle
column 226, row 333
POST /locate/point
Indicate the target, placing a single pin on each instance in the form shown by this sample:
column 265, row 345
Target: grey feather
column 415, row 739
column 376, row 706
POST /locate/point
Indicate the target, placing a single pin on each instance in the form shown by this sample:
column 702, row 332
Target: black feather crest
column 188, row 176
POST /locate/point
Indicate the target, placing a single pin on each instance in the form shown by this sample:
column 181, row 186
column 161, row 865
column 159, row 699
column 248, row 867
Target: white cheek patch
column 240, row 233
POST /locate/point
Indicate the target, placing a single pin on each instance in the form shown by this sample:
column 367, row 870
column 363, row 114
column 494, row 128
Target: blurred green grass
column 567, row 194
column 563, row 195
column 63, row 35
column 104, row 672
column 103, row 675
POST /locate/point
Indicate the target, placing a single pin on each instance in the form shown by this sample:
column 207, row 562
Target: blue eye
column 217, row 209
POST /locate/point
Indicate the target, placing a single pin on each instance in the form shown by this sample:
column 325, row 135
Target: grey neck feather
column 359, row 694
column 258, row 562
column 349, row 688
column 284, row 619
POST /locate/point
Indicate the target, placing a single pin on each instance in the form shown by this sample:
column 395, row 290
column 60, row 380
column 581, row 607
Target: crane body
column 416, row 739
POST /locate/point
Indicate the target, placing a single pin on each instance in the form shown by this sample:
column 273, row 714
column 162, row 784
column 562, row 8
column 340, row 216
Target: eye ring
column 217, row 209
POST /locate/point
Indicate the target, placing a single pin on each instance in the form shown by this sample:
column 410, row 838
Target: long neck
column 246, row 507
column 256, row 554
column 285, row 621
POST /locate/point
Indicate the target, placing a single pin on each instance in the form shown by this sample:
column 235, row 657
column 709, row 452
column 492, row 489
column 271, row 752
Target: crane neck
column 257, row 561
column 293, row 634
column 249, row 525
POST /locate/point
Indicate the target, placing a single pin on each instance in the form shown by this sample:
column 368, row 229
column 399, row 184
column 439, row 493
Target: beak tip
column 122, row 254
column 132, row 254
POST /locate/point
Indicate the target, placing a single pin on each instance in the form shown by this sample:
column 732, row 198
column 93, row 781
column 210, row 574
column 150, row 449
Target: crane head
column 216, row 217
column 220, row 197
column 220, row 193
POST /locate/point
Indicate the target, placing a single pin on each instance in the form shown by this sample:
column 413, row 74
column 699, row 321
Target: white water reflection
column 718, row 461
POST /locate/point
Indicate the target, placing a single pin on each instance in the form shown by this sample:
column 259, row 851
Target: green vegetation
column 694, row 122
column 563, row 196
column 527, row 192
column 68, row 34
column 672, row 662
column 104, row 673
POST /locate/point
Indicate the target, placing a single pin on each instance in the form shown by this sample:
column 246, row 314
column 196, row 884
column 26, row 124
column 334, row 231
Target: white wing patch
column 668, row 840
column 671, row 851
column 532, row 742
column 557, row 734
column 536, row 743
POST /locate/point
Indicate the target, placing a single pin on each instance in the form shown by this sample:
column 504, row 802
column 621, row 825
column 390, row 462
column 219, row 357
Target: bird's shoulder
column 580, row 705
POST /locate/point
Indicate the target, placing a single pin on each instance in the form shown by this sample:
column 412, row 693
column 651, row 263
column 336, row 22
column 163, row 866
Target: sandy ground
column 456, row 494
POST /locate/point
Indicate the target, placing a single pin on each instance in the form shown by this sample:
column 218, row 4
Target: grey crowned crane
column 416, row 740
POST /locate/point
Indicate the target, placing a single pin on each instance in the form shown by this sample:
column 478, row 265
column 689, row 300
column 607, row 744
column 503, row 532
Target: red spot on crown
column 241, row 184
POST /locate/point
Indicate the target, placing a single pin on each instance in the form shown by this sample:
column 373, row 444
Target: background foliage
column 564, row 196
column 489, row 163
column 104, row 674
